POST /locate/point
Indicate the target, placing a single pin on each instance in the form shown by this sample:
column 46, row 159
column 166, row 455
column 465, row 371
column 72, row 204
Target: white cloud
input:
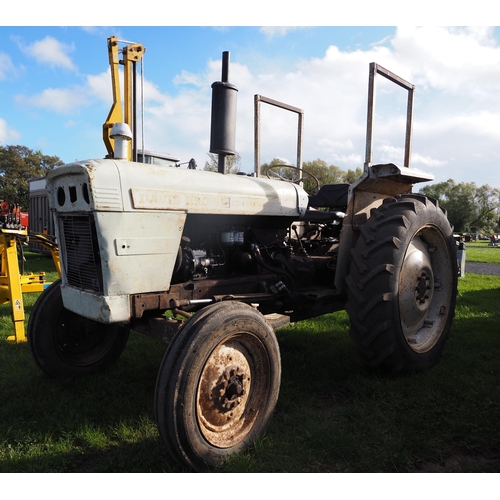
column 460, row 60
column 8, row 135
column 187, row 78
column 456, row 120
column 64, row 101
column 100, row 86
column 427, row 162
column 49, row 51
column 97, row 87
column 6, row 66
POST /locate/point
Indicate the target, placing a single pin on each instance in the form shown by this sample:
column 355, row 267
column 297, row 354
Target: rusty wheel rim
column 233, row 384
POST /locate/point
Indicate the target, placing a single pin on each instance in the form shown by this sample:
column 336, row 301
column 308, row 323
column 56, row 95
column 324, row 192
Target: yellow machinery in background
column 13, row 283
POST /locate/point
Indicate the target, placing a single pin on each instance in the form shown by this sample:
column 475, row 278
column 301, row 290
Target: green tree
column 487, row 209
column 353, row 175
column 470, row 208
column 280, row 170
column 326, row 174
column 18, row 164
column 232, row 163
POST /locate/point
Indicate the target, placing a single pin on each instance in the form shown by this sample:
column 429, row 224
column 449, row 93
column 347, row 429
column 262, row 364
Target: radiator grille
column 82, row 263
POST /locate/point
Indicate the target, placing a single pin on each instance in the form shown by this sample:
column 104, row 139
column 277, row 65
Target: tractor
column 213, row 263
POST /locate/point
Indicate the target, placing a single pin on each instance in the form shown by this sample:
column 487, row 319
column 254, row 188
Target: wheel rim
column 81, row 341
column 425, row 289
column 233, row 384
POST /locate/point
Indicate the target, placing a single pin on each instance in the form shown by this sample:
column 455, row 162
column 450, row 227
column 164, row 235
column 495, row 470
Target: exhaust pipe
column 122, row 136
column 223, row 125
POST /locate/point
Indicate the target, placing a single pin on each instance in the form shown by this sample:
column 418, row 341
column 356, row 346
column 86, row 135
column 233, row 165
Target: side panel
column 105, row 309
column 138, row 250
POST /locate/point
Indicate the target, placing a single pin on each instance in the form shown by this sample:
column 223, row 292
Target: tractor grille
column 82, row 262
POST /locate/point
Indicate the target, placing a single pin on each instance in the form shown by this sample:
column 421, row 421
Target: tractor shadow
column 102, row 423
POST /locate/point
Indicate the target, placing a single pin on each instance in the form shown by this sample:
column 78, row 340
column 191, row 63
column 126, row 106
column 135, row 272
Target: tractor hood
column 120, row 185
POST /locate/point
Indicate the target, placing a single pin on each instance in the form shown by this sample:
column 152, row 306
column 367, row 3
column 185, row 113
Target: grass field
column 333, row 414
column 480, row 251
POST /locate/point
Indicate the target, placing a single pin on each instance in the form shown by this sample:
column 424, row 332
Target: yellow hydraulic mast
column 115, row 114
column 132, row 53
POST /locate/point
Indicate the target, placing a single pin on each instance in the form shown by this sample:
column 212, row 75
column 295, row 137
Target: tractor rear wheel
column 218, row 384
column 64, row 344
column 402, row 284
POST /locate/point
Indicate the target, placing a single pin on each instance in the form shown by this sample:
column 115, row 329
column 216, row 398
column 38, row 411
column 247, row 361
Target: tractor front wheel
column 218, row 384
column 64, row 344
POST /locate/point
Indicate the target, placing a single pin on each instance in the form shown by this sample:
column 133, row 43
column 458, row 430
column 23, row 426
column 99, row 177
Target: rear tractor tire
column 64, row 344
column 402, row 284
column 218, row 384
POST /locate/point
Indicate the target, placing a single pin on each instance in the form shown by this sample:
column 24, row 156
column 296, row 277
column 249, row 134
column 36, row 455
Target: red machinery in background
column 11, row 216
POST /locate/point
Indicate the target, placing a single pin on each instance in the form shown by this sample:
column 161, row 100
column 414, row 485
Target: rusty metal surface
column 277, row 321
column 245, row 289
column 231, row 390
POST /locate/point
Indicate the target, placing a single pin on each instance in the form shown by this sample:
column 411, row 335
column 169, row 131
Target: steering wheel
column 301, row 171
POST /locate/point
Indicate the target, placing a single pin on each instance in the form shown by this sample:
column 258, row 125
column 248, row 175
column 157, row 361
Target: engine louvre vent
column 82, row 262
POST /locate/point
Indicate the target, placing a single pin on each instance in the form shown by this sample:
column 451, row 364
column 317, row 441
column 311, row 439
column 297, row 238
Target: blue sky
column 55, row 92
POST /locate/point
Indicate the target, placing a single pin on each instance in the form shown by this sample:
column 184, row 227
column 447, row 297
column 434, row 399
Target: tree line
column 470, row 208
column 324, row 173
column 19, row 164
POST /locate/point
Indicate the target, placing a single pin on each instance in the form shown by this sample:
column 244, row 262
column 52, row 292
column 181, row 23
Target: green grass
column 479, row 251
column 333, row 415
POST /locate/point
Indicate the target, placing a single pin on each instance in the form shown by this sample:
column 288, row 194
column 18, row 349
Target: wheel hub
column 223, row 394
column 423, row 289
column 416, row 288
column 231, row 388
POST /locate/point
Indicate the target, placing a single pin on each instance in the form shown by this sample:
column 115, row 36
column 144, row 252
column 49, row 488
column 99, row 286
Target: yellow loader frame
column 13, row 284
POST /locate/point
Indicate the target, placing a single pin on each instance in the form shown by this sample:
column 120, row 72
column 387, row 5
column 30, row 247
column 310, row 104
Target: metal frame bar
column 374, row 69
column 257, row 100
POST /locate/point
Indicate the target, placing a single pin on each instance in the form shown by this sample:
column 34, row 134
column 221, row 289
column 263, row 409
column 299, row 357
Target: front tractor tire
column 402, row 284
column 218, row 384
column 64, row 344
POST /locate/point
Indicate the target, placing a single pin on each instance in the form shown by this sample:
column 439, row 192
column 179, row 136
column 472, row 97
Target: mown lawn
column 333, row 415
column 480, row 251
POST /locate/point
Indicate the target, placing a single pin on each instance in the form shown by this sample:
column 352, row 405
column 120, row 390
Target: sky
column 55, row 91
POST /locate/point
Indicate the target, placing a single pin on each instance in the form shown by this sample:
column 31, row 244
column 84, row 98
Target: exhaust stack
column 223, row 125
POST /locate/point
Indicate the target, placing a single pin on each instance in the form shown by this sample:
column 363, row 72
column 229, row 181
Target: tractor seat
column 333, row 196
